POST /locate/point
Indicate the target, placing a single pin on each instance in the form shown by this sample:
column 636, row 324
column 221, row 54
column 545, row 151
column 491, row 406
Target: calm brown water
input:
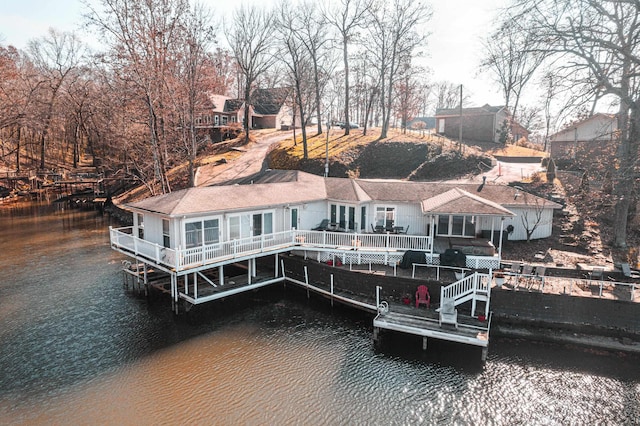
column 76, row 349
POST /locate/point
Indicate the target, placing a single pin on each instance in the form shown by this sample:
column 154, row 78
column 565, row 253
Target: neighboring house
column 272, row 109
column 437, row 215
column 585, row 140
column 221, row 117
column 484, row 124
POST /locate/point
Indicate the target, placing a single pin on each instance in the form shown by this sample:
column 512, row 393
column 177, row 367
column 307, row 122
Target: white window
column 216, row 119
column 211, row 231
column 193, row 234
column 456, row 225
column 385, row 217
column 166, row 236
column 250, row 224
column 202, row 232
column 141, row 226
column 224, row 120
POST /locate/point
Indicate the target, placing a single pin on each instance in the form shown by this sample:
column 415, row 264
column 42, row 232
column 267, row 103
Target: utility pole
column 460, row 124
column 326, row 164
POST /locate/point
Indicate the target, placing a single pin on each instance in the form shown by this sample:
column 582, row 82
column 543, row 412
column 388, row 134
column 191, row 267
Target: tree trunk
column 247, row 107
column 346, row 85
column 18, row 149
column 316, row 80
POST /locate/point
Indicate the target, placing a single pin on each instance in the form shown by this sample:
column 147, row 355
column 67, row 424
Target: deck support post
column 249, row 271
column 376, row 334
column 276, row 266
column 145, row 278
column 485, row 351
column 221, row 274
column 174, row 307
column 195, row 286
column 306, row 280
column 424, row 343
column 332, row 290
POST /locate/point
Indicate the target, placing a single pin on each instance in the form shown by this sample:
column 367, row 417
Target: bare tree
column 600, row 40
column 250, row 35
column 347, row 19
column 298, row 62
column 410, row 94
column 196, row 38
column 395, row 33
column 142, row 38
column 55, row 56
column 532, row 216
column 315, row 38
column 448, row 95
column 512, row 58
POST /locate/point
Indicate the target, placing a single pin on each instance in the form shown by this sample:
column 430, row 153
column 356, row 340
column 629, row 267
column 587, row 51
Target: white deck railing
column 182, row 259
column 469, row 285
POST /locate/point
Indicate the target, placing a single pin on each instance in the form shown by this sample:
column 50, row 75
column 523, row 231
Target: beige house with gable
column 380, row 218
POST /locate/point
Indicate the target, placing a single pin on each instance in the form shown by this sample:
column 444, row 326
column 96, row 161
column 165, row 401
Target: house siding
column 519, row 233
column 585, row 141
column 476, row 127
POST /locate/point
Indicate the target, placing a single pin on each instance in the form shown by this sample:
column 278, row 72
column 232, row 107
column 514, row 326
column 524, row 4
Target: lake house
column 357, row 220
column 200, row 237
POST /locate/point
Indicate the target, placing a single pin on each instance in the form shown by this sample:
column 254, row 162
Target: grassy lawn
column 339, row 143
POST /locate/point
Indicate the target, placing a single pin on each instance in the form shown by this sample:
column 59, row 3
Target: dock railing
column 467, row 287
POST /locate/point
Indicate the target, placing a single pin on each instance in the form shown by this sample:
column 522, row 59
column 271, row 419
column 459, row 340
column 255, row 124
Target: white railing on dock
column 468, row 285
column 367, row 245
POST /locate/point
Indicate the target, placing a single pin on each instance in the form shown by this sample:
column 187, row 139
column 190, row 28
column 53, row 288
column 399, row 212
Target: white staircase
column 475, row 288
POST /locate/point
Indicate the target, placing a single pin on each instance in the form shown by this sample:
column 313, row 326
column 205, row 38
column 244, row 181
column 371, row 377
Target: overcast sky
column 454, row 48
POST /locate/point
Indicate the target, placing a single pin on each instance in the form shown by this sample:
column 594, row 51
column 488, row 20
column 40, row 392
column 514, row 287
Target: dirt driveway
column 250, row 162
column 504, row 172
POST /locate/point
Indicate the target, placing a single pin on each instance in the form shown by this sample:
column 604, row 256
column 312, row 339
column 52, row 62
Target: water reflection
column 74, row 348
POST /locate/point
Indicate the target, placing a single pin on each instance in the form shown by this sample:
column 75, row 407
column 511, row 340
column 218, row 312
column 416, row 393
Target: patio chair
column 525, row 276
column 422, row 296
column 626, row 270
column 596, row 273
column 448, row 313
column 539, row 277
column 324, row 225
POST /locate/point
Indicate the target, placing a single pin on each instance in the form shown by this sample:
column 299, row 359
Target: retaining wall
column 602, row 317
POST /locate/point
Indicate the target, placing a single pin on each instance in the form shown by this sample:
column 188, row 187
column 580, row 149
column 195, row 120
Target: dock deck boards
column 428, row 327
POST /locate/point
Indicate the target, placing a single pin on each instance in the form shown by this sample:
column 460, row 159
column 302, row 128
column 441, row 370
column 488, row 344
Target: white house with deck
column 192, row 235
column 359, row 220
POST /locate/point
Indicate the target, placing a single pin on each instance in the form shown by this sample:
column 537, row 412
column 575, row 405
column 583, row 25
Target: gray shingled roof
column 279, row 187
column 460, row 201
column 483, row 110
column 233, row 197
column 269, row 101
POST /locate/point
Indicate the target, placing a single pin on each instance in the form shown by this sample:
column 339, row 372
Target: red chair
column 422, row 296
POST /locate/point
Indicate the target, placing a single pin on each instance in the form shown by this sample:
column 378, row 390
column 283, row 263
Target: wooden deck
column 428, row 327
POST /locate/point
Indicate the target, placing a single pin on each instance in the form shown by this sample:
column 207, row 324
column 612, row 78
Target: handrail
column 471, row 284
column 180, row 259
